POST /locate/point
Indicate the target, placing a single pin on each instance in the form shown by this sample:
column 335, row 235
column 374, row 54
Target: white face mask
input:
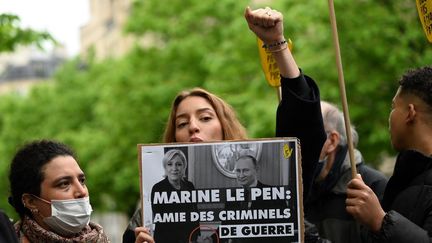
column 69, row 217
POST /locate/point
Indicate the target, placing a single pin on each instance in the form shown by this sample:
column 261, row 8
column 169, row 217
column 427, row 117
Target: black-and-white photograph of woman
column 174, row 165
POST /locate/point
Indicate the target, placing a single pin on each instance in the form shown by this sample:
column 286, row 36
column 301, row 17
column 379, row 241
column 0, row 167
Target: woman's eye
column 206, row 118
column 82, row 181
column 181, row 124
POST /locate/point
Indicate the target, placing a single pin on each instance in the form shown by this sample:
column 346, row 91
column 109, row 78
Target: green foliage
column 104, row 109
column 12, row 35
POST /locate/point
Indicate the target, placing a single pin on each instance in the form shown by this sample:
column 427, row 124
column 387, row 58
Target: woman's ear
column 28, row 201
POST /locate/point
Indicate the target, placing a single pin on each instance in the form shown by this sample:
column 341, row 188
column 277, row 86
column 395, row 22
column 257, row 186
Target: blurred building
column 104, row 35
column 24, row 67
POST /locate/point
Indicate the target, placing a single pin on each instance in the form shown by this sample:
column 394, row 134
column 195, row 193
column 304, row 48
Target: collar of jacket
column 409, row 165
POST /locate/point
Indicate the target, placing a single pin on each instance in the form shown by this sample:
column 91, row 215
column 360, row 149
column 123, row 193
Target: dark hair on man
column 26, row 173
column 419, row 83
column 248, row 156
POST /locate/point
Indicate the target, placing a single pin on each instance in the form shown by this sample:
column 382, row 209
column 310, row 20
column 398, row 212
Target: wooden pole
column 279, row 93
column 342, row 88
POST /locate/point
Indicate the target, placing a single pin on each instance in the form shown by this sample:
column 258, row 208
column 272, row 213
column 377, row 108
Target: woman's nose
column 193, row 126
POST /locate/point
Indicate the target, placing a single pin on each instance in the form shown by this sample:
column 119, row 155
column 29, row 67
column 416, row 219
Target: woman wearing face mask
column 174, row 163
column 49, row 192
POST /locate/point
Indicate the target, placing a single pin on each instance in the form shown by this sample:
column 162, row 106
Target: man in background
column 326, row 205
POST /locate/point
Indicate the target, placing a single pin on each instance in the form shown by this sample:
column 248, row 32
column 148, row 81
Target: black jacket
column 299, row 115
column 407, row 201
column 7, row 232
column 326, row 207
column 173, row 232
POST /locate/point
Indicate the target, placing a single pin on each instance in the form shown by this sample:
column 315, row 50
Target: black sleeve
column 398, row 229
column 128, row 236
column 298, row 86
column 134, row 221
column 299, row 115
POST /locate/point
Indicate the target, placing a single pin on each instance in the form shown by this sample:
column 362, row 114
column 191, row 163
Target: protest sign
column 424, row 9
column 212, row 192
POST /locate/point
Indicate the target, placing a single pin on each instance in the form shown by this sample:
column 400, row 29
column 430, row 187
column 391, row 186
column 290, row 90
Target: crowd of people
column 49, row 193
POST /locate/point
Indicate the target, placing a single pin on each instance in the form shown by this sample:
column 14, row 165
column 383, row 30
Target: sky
column 61, row 18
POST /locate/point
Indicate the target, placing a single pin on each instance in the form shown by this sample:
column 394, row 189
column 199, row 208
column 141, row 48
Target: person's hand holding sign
column 142, row 235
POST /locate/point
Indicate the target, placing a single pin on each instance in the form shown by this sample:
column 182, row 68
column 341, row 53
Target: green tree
column 103, row 109
column 12, row 35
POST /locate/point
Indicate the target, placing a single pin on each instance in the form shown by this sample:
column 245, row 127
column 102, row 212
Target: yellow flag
column 424, row 9
column 269, row 65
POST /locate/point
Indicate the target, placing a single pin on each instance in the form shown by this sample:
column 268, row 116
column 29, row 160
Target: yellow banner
column 269, row 65
column 424, row 9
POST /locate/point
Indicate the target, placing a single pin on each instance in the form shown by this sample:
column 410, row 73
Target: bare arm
column 267, row 24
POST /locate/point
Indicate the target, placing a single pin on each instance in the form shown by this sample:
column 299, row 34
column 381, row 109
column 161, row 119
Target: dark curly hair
column 418, row 82
column 26, row 173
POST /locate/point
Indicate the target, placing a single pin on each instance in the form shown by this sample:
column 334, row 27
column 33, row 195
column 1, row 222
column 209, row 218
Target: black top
column 176, row 231
column 7, row 232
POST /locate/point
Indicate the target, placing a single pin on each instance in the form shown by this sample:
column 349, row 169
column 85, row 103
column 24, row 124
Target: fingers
column 142, row 235
column 141, row 229
column 357, row 183
column 363, row 204
column 247, row 13
column 358, row 195
column 263, row 17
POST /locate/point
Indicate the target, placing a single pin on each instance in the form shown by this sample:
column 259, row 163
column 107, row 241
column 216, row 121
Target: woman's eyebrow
column 206, row 109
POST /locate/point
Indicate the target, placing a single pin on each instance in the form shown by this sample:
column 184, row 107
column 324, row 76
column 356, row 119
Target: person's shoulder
column 160, row 183
column 261, row 185
column 371, row 175
column 188, row 183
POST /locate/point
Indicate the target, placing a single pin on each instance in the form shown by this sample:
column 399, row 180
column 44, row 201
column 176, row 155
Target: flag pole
column 279, row 93
column 342, row 87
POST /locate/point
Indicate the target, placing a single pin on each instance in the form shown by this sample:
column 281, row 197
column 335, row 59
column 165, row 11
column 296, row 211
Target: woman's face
column 174, row 168
column 63, row 179
column 197, row 121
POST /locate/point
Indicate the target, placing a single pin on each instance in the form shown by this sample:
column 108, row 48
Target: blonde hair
column 232, row 129
column 169, row 155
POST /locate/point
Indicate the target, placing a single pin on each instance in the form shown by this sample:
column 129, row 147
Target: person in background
column 326, row 206
column 405, row 212
column 300, row 97
column 199, row 116
column 49, row 192
column 174, row 163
